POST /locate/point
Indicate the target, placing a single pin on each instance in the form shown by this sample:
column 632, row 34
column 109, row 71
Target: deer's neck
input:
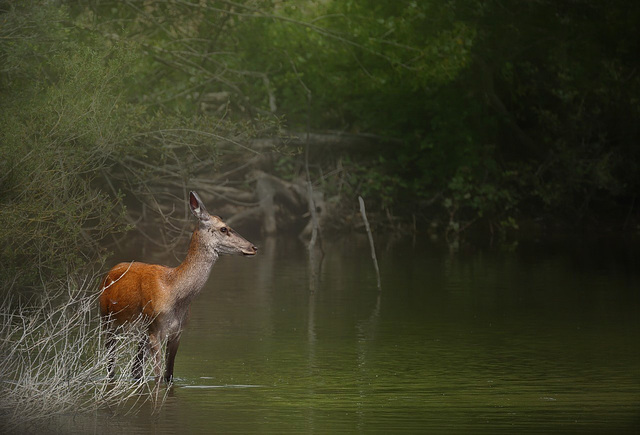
column 191, row 275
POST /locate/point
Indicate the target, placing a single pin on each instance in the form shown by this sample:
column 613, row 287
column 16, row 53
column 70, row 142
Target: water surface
column 543, row 337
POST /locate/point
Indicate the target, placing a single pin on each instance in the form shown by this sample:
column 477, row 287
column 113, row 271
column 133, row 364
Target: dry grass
column 53, row 360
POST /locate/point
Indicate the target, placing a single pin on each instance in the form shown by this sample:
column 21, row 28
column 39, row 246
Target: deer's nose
column 251, row 251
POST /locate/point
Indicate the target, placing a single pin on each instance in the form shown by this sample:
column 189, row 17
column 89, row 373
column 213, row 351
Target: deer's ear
column 197, row 207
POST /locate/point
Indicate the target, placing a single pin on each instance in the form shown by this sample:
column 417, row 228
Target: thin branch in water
column 373, row 248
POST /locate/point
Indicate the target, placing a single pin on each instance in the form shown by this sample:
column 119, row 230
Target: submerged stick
column 373, row 249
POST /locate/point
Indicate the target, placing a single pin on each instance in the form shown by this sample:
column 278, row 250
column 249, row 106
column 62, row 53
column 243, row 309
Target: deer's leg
column 172, row 348
column 138, row 363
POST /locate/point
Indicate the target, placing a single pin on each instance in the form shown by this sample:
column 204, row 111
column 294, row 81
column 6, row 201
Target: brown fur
column 134, row 288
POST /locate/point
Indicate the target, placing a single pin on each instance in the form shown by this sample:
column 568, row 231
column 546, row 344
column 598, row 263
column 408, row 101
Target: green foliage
column 378, row 67
column 563, row 88
column 358, row 60
column 468, row 199
column 502, row 108
column 74, row 141
column 374, row 180
column 59, row 122
column 483, row 111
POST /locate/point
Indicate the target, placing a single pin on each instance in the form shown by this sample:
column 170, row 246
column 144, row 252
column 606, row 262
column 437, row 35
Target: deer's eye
column 224, row 230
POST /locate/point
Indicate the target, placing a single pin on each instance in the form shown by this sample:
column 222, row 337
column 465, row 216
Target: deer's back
column 131, row 289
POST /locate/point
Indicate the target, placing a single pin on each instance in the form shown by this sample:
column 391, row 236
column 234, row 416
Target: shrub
column 53, row 358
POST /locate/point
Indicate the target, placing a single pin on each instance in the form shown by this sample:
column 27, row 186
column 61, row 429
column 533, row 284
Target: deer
column 162, row 295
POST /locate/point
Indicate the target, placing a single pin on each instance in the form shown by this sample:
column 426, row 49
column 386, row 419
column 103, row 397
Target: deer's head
column 217, row 236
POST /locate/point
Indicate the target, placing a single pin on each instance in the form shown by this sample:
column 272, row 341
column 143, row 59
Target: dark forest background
column 500, row 117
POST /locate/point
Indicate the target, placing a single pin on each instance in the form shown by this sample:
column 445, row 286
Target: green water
column 543, row 338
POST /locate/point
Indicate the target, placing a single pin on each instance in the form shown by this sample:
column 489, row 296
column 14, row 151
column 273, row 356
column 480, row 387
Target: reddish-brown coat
column 134, row 288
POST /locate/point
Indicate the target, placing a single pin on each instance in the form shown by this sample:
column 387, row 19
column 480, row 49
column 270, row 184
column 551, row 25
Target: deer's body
column 163, row 294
